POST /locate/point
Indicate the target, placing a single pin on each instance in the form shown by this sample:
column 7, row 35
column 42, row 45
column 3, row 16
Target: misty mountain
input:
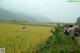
column 23, row 17
column 9, row 15
column 41, row 18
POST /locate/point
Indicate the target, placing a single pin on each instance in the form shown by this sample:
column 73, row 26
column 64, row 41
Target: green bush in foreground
column 60, row 43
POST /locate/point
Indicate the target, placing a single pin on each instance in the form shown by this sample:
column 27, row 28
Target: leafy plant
column 60, row 43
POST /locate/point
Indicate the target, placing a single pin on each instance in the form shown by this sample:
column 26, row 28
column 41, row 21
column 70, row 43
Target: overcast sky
column 56, row 10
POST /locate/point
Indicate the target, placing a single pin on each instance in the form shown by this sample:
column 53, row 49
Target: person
column 71, row 32
column 77, row 31
column 24, row 28
column 66, row 29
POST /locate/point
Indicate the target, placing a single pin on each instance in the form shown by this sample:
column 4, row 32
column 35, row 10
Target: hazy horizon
column 56, row 10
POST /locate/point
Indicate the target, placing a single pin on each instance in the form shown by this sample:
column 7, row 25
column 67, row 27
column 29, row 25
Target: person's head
column 70, row 26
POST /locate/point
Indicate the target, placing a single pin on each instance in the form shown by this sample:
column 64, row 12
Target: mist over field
column 41, row 10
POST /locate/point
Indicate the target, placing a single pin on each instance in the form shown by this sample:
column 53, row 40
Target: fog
column 56, row 10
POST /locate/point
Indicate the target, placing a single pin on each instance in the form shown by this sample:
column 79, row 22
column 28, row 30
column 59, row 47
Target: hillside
column 9, row 15
column 41, row 18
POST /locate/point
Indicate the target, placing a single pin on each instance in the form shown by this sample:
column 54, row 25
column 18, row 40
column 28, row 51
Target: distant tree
column 14, row 20
column 78, row 20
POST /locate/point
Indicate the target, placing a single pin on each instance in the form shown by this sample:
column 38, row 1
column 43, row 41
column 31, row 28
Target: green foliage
column 60, row 43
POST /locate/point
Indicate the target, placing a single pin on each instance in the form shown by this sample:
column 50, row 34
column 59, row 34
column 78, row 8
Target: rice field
column 16, row 40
